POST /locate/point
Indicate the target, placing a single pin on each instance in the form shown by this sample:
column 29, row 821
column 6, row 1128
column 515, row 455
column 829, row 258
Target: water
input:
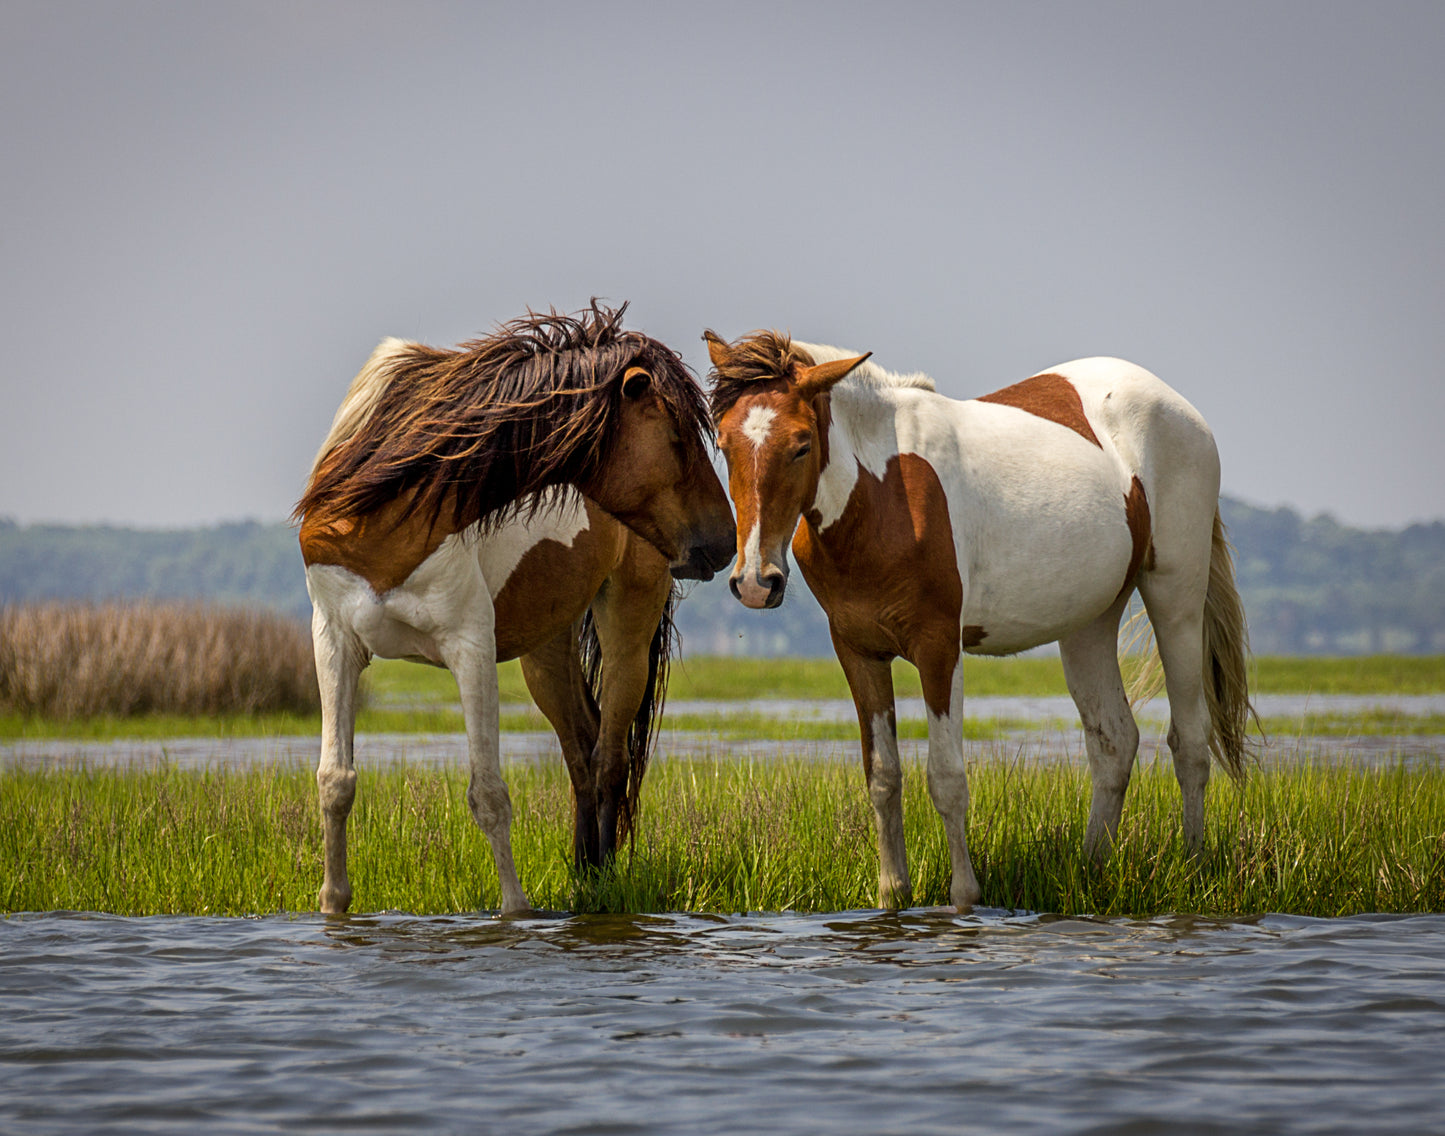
column 851, row 1023
column 858, row 1022
column 1053, row 735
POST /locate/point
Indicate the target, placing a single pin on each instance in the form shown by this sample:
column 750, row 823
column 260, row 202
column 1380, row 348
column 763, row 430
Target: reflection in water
column 863, row 1022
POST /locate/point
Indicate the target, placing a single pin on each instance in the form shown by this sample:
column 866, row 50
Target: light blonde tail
column 1142, row 668
column 1226, row 661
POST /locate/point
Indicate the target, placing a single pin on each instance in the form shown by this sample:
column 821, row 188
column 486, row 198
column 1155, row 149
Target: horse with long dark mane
column 933, row 527
column 527, row 494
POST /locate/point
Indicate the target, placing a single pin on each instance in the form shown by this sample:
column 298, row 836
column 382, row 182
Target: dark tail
column 641, row 734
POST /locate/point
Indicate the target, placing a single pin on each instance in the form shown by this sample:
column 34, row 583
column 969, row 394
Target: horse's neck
column 861, row 433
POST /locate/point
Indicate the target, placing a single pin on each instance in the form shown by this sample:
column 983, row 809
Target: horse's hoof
column 334, row 903
column 895, row 898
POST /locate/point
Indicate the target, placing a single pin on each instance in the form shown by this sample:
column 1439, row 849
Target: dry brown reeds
column 89, row 660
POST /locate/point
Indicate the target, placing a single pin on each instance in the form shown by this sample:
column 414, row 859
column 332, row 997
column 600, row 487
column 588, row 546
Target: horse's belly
column 1038, row 577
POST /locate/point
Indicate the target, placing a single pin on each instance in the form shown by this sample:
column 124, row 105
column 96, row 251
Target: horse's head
column 658, row 478
column 770, row 407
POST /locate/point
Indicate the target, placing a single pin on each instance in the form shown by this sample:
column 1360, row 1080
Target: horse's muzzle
column 705, row 560
column 764, row 591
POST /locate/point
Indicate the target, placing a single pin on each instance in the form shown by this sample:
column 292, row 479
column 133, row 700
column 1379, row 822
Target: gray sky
column 210, row 213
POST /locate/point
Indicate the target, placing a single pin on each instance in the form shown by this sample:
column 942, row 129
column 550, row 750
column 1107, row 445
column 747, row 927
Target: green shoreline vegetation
column 719, row 834
column 723, row 836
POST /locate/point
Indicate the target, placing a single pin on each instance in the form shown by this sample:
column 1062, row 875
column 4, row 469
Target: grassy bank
column 719, row 836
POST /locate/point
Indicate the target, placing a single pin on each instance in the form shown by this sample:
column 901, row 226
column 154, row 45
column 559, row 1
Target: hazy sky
column 210, row 213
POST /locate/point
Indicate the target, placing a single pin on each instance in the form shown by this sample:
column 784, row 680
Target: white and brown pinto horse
column 931, row 527
column 469, row 506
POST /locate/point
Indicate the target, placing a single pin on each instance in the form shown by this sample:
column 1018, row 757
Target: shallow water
column 450, row 750
column 1055, row 737
column 849, row 1023
column 1061, row 708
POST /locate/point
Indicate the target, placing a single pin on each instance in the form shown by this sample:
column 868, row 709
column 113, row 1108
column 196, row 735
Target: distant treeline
column 1310, row 586
column 245, row 564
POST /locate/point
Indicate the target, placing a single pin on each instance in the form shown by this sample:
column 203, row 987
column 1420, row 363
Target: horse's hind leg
column 1175, row 604
column 1111, row 736
column 554, row 677
column 942, row 671
column 339, row 662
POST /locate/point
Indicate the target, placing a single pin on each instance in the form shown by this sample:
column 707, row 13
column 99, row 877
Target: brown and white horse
column 468, row 506
column 931, row 527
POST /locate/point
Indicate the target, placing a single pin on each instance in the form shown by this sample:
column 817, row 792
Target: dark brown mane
column 472, row 430
column 758, row 357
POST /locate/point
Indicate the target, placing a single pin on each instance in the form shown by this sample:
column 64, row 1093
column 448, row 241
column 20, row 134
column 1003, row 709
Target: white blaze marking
column 753, row 553
column 758, row 424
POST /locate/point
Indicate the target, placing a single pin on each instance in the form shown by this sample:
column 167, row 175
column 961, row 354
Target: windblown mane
column 472, row 430
column 770, row 356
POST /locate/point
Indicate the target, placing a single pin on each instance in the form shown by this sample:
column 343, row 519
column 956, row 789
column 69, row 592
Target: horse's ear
column 717, row 348
column 636, row 382
column 822, row 376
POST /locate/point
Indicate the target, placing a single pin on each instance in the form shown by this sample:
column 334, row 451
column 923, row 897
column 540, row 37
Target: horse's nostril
column 733, row 584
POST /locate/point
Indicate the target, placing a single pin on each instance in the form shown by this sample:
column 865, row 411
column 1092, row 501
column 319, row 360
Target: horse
column 932, row 527
column 470, row 504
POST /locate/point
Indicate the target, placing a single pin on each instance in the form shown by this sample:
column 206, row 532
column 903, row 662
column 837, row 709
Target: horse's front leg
column 339, row 662
column 473, row 661
column 555, row 680
column 947, row 776
column 627, row 613
column 871, row 681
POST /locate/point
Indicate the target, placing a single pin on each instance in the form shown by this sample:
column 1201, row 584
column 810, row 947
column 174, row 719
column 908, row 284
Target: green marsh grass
column 722, row 679
column 720, row 835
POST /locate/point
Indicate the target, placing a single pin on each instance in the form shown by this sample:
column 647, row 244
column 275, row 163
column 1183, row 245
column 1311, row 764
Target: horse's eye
column 803, row 451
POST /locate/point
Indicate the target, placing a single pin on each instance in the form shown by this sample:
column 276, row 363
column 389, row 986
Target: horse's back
column 1060, row 488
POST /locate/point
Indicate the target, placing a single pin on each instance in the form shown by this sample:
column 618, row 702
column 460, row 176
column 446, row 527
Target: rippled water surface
column 850, row 1023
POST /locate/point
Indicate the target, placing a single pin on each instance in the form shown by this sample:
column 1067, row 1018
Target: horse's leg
column 472, row 659
column 871, row 682
column 947, row 777
column 626, row 614
column 554, row 677
column 339, row 662
column 1175, row 603
column 1111, row 736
